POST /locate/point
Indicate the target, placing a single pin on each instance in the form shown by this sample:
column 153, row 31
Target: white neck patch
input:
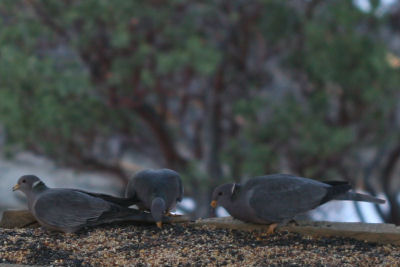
column 36, row 183
column 233, row 189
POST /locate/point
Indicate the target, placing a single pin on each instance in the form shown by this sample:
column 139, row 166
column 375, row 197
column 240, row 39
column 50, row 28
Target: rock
column 373, row 232
column 18, row 219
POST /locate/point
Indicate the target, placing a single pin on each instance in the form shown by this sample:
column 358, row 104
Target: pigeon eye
column 220, row 194
column 24, row 181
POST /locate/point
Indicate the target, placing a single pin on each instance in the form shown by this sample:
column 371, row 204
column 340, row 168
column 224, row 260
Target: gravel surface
column 186, row 245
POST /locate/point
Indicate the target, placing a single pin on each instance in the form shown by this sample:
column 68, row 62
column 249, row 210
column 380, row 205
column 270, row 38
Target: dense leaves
column 215, row 89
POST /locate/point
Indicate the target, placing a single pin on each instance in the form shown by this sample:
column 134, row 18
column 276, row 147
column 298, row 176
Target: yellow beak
column 15, row 187
column 214, row 204
column 159, row 224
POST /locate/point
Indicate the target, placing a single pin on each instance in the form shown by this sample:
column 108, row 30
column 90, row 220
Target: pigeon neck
column 235, row 191
column 158, row 202
column 36, row 190
column 158, row 208
column 38, row 187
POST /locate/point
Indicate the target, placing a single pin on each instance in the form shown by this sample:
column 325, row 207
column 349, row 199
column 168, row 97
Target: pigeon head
column 27, row 182
column 157, row 210
column 223, row 194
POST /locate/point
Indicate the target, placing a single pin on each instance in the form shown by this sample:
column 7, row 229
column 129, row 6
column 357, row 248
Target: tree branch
column 157, row 125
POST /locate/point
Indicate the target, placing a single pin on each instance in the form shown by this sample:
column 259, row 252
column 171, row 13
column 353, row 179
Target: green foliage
column 278, row 22
column 48, row 99
column 59, row 72
column 344, row 65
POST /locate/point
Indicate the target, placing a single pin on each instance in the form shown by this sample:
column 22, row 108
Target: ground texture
column 187, row 245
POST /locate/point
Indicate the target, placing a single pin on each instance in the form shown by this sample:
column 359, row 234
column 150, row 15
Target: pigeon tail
column 359, row 197
column 123, row 215
column 334, row 191
column 121, row 201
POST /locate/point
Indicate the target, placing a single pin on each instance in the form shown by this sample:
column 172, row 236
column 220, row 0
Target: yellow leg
column 159, row 224
column 271, row 228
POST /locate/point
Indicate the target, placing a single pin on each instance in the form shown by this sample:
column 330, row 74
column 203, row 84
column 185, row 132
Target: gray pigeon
column 157, row 190
column 69, row 210
column 276, row 198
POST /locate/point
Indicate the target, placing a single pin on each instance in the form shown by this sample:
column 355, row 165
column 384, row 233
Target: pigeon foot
column 271, row 228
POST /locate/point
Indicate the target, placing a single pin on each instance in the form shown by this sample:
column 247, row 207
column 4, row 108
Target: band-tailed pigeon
column 276, row 198
column 69, row 210
column 157, row 190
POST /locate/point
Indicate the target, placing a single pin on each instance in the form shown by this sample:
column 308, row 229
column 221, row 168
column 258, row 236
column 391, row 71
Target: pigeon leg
column 159, row 224
column 271, row 228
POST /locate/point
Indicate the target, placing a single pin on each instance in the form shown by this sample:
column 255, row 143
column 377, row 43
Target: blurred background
column 93, row 91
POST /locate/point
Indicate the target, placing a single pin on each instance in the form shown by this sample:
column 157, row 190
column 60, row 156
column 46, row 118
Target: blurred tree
column 219, row 89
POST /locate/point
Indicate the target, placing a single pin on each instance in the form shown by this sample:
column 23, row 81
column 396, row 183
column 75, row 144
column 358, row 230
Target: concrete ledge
column 18, row 219
column 371, row 232
column 23, row 219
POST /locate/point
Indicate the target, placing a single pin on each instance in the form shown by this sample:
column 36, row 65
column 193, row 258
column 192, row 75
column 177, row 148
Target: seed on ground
column 186, row 245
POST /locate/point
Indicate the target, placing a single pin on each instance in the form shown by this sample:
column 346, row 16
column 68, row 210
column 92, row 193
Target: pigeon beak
column 159, row 224
column 15, row 187
column 213, row 204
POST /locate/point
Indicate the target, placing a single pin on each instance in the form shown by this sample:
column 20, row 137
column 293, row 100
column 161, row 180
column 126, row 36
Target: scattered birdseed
column 186, row 245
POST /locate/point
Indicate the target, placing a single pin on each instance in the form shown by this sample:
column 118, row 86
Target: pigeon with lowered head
column 157, row 190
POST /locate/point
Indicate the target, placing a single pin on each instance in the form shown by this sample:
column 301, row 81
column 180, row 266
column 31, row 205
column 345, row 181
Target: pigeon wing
column 125, row 202
column 69, row 208
column 280, row 199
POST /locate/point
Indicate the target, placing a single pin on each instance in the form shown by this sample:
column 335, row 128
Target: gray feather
column 180, row 189
column 150, row 184
column 69, row 210
column 125, row 202
column 280, row 197
column 359, row 197
column 276, row 198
